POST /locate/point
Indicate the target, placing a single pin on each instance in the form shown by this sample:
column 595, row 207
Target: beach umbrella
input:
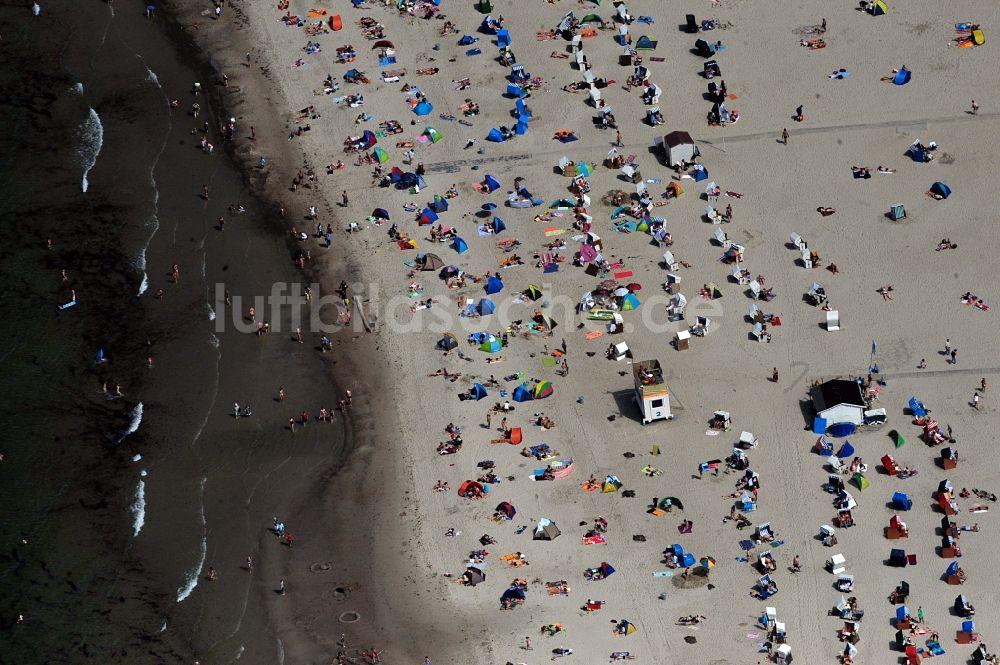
column 634, row 287
column 383, row 43
column 707, row 562
column 423, row 108
column 369, row 138
column 543, row 389
column 670, row 501
column 380, row 213
column 381, row 155
column 630, row 302
column 489, row 206
column 607, row 286
column 533, row 292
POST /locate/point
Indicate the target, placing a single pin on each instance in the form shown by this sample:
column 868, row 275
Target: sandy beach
column 389, row 571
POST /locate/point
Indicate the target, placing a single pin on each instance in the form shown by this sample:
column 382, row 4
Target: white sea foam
column 281, row 653
column 239, row 654
column 77, row 88
column 139, row 508
column 133, row 425
column 211, row 312
column 191, row 581
column 154, row 222
column 163, row 628
column 136, row 457
column 91, row 141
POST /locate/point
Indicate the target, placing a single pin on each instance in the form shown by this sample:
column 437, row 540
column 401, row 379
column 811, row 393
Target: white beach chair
column 796, row 240
column 837, row 564
column 721, row 238
column 807, row 259
column 670, row 262
column 739, row 275
column 754, row 288
column 833, row 320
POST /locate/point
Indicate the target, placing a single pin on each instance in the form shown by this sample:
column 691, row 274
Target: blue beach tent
column 491, row 184
column 498, row 226
column 494, row 285
column 478, row 392
column 503, row 38
column 495, row 135
column 423, row 108
column 485, row 307
column 426, row 217
column 459, row 245
column 515, row 90
column 522, row 394
column 941, row 189
column 521, row 128
column 902, row 77
column 440, row 203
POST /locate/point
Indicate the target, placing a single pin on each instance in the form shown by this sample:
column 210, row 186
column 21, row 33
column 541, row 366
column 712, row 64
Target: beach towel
column 623, row 275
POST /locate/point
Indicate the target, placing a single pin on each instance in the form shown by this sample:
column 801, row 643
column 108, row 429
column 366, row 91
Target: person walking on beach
column 975, row 401
column 947, row 346
column 784, row 136
column 291, row 423
column 212, row 575
column 281, row 587
column 975, row 107
column 796, row 564
column 618, row 138
column 774, row 375
column 249, row 564
column 204, row 192
column 920, row 613
column 489, row 419
column 343, row 198
column 799, row 114
column 982, row 385
column 527, row 643
column 281, row 394
column 954, row 356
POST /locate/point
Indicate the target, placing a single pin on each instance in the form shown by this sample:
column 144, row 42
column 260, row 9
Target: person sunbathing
column 885, row 170
column 861, row 172
column 825, row 211
column 885, row 292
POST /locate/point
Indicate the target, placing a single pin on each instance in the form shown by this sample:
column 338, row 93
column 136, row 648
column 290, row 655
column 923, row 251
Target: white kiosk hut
column 651, row 392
